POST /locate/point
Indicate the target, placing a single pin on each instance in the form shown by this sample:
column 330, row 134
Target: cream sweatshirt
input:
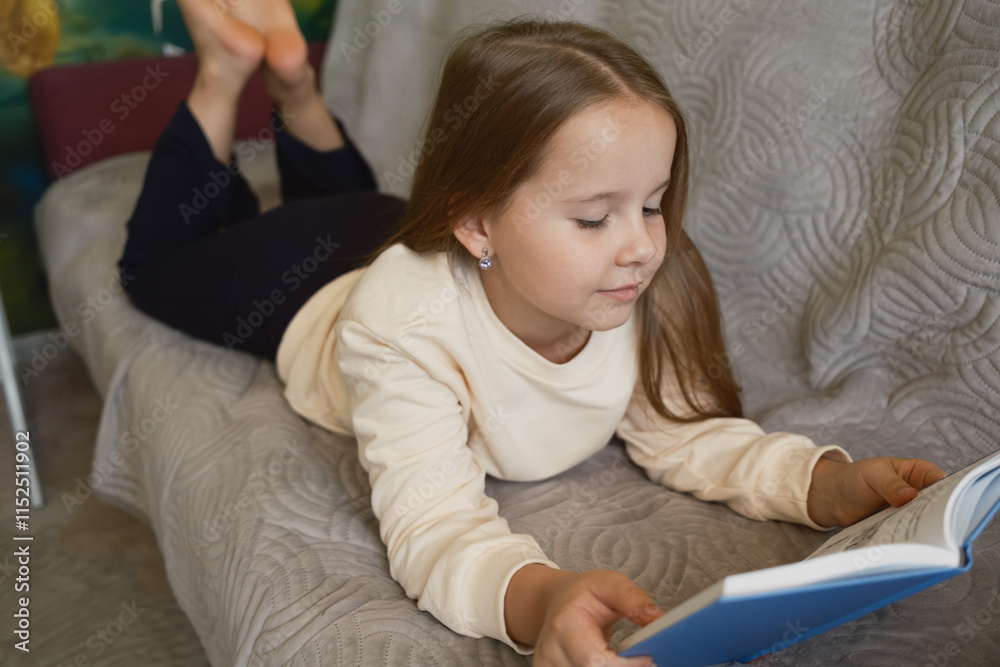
column 408, row 356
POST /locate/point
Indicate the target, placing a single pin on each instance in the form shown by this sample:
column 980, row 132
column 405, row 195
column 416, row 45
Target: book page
column 922, row 517
column 940, row 515
column 987, row 491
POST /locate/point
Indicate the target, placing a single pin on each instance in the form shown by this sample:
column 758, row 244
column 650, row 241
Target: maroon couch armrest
column 90, row 111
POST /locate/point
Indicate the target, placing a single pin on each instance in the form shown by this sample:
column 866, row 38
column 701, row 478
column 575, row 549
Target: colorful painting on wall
column 41, row 33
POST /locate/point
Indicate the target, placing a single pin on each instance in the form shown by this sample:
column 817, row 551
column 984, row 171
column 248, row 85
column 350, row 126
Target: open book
column 881, row 559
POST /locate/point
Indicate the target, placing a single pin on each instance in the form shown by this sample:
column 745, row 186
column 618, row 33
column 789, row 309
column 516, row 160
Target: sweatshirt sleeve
column 729, row 460
column 447, row 545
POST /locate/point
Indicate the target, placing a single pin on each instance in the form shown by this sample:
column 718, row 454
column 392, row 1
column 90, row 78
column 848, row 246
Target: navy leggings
column 202, row 258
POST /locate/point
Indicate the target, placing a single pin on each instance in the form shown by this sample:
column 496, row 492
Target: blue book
column 883, row 558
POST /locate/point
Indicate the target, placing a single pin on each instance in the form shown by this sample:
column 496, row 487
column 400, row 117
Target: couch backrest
column 845, row 190
column 90, row 111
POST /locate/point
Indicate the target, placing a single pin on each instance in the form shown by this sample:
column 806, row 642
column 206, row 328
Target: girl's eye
column 592, row 224
column 651, row 211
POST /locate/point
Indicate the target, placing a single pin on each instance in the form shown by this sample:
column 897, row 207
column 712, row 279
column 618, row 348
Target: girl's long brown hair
column 504, row 93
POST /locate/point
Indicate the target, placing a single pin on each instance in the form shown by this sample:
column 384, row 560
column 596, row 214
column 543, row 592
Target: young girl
column 536, row 296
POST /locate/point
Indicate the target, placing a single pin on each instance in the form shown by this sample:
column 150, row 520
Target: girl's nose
column 639, row 246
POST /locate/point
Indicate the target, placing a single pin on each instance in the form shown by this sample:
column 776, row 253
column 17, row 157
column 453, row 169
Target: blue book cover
column 886, row 557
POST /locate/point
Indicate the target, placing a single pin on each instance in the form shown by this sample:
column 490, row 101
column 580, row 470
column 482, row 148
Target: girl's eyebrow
column 611, row 194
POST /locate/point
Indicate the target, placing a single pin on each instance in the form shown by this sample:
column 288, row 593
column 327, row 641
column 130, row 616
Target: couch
column 846, row 196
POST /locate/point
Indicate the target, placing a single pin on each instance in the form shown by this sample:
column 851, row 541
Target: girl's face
column 581, row 239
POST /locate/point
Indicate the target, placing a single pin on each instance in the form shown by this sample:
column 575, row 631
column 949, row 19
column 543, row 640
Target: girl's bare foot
column 290, row 78
column 232, row 39
column 229, row 51
column 274, row 20
column 302, row 110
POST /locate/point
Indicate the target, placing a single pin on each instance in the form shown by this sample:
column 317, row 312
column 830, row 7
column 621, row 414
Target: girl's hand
column 842, row 493
column 570, row 615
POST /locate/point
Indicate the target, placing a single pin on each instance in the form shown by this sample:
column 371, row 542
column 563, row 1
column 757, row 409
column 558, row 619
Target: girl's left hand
column 842, row 493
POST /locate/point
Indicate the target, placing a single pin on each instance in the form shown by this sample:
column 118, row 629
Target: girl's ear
column 472, row 233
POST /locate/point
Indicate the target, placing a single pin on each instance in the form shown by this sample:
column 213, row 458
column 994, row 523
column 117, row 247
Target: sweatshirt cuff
column 794, row 506
column 486, row 586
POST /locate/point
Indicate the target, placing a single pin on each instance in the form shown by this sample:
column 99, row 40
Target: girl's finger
column 888, row 483
column 624, row 597
column 926, row 473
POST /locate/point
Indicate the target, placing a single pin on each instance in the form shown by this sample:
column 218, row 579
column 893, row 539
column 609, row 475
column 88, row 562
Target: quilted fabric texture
column 845, row 195
column 844, row 188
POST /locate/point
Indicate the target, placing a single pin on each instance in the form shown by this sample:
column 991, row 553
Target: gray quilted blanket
column 846, row 195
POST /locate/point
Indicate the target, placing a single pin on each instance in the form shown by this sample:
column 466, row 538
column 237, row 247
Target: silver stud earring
column 485, row 262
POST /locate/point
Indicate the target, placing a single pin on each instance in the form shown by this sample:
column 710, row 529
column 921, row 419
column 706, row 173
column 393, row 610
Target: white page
column 921, row 519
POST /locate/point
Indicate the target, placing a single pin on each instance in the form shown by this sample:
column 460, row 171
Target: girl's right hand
column 569, row 615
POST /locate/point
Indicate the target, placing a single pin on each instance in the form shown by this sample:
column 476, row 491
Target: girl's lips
column 623, row 293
